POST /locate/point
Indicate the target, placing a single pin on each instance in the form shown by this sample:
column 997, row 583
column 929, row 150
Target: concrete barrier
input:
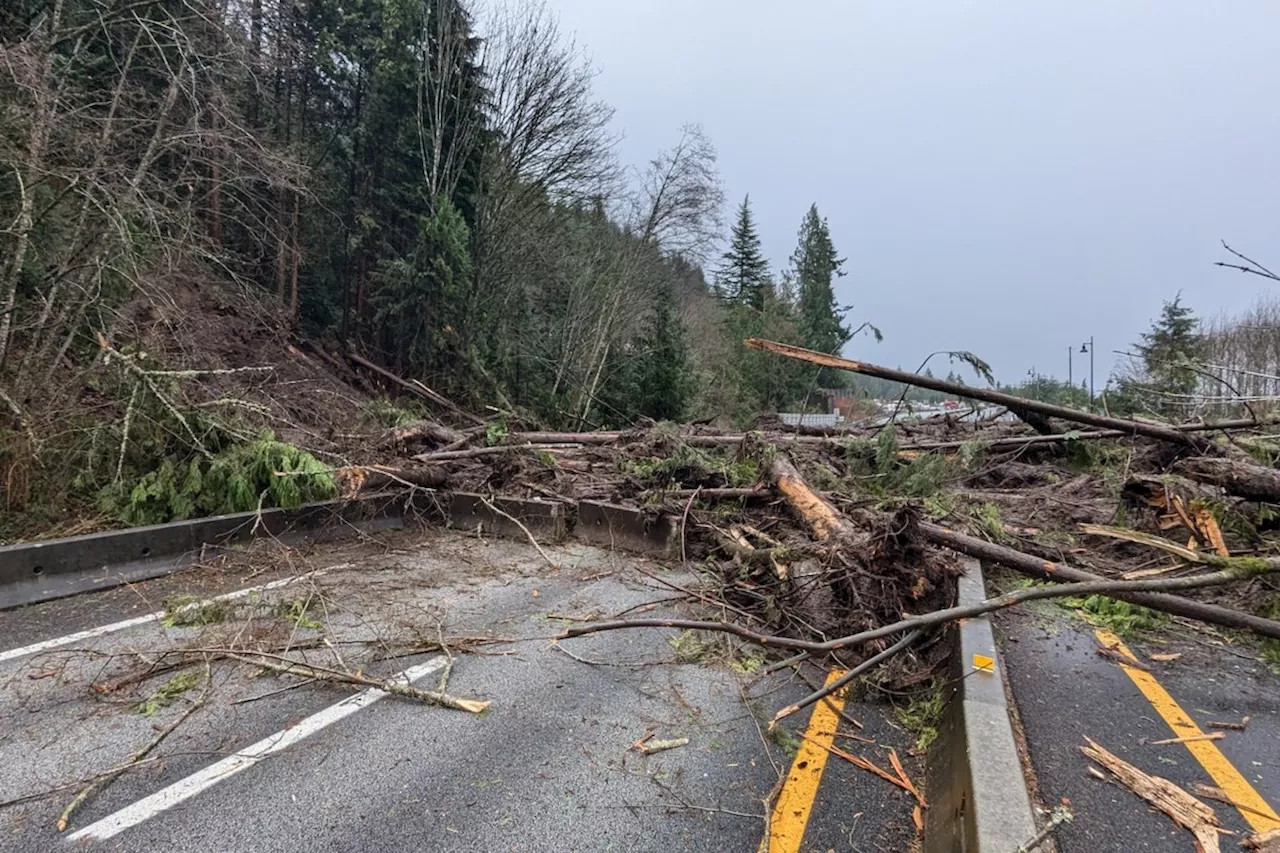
column 467, row 511
column 977, row 793
column 41, row 571
column 630, row 529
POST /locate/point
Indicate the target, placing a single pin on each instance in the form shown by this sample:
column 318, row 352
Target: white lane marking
column 194, row 607
column 185, row 789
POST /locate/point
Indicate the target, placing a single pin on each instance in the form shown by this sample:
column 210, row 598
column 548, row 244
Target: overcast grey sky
column 1006, row 177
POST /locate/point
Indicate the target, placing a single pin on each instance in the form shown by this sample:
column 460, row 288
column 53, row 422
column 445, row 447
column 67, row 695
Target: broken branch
column 287, row 666
column 928, row 620
column 1181, row 807
column 842, row 681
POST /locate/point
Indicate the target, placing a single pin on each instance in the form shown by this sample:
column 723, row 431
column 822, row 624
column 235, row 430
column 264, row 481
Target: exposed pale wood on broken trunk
column 1181, row 807
column 353, row 479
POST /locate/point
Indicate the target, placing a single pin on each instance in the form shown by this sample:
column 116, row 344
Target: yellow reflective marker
column 1256, row 811
column 795, row 800
column 982, row 663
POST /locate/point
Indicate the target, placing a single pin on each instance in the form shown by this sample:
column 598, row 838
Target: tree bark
column 1236, row 476
column 397, row 437
column 1161, row 432
column 296, row 261
column 1015, row 442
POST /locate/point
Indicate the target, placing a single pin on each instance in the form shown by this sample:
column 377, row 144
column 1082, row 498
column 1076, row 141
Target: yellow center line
column 795, row 800
column 1257, row 812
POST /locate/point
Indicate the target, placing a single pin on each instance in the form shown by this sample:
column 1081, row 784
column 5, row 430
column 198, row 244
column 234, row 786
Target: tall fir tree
column 816, row 265
column 1172, row 344
column 744, row 273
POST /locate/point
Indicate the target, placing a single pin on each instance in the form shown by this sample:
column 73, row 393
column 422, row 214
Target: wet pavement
column 548, row 767
column 1065, row 691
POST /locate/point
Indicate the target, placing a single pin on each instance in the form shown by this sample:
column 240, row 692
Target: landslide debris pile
column 838, row 542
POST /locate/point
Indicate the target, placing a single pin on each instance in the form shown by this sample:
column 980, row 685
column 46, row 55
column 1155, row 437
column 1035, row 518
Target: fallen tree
column 829, row 524
column 1236, row 477
column 1149, row 429
column 351, row 480
column 1047, row 570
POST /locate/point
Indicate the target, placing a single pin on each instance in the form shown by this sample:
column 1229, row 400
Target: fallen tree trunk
column 818, row 438
column 1235, row 476
column 813, row 509
column 731, row 493
column 600, row 437
column 1015, row 442
column 354, row 479
column 475, row 452
column 415, row 388
column 1048, row 570
column 1161, row 432
column 438, row 434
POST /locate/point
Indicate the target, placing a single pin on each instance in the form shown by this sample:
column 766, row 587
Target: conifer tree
column 816, row 265
column 744, row 273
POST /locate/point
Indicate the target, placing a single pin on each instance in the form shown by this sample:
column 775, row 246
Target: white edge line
column 103, row 630
column 185, row 789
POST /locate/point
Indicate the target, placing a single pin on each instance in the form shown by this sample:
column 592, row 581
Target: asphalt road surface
column 257, row 761
column 1066, row 691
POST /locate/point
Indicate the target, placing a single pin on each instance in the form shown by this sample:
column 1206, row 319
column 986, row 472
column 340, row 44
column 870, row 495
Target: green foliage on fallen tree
column 263, row 472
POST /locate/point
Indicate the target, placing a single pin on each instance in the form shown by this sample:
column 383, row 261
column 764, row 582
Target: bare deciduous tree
column 681, row 200
column 553, row 134
column 124, row 178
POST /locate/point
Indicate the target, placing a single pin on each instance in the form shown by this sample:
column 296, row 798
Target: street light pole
column 1089, row 349
column 1091, row 370
column 1070, row 379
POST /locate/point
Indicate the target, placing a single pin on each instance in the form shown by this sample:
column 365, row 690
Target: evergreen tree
column 1172, row 342
column 816, row 265
column 1168, row 352
column 666, row 381
column 419, row 301
column 655, row 380
column 744, row 273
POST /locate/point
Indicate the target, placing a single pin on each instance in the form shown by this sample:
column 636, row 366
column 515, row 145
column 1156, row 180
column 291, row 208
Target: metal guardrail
column 810, row 419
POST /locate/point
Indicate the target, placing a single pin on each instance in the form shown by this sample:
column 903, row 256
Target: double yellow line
column 1252, row 807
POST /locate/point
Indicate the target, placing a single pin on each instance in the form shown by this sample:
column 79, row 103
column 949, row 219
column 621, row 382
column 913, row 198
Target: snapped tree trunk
column 354, row 479
column 813, row 509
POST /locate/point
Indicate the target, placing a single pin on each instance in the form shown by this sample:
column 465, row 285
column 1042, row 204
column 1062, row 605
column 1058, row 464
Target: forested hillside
column 189, row 190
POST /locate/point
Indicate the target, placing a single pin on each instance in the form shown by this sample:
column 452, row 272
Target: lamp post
column 1070, row 379
column 1089, row 349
